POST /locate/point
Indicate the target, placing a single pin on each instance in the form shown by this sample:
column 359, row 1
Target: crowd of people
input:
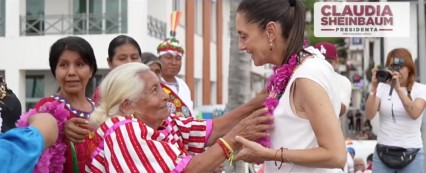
column 141, row 118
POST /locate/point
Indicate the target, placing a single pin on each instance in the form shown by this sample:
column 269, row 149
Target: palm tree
column 239, row 75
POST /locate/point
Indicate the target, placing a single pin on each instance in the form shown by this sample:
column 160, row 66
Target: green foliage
column 309, row 4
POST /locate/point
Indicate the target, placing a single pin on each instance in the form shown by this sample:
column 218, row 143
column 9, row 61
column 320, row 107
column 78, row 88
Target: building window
column 34, row 90
column 116, row 16
column 2, row 17
column 87, row 16
column 34, row 19
column 92, row 85
column 199, row 17
column 213, row 21
column 100, row 16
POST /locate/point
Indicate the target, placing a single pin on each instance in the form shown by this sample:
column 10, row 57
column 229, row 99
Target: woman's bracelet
column 229, row 152
column 286, row 158
column 224, row 149
column 282, row 159
column 373, row 93
column 227, row 145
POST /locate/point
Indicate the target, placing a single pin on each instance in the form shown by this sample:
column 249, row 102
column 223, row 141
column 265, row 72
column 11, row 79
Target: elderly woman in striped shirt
column 136, row 133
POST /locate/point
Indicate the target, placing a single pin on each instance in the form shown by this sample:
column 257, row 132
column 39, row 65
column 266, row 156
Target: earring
column 131, row 115
column 270, row 45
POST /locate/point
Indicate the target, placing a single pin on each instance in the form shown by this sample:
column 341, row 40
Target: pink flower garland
column 53, row 158
column 276, row 85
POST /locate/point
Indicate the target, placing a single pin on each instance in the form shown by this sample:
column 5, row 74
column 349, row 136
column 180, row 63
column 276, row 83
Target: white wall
column 12, row 18
column 409, row 43
column 160, row 9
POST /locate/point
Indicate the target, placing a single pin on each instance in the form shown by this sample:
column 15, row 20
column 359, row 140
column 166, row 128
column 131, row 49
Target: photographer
column 400, row 102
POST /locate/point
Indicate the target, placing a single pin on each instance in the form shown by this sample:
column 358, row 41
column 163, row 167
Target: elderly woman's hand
column 254, row 126
column 251, row 152
column 76, row 129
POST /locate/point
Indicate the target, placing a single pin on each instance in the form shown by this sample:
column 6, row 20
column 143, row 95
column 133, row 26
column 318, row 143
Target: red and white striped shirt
column 124, row 144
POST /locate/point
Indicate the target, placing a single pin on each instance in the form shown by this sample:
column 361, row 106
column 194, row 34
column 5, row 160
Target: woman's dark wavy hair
column 290, row 14
column 72, row 43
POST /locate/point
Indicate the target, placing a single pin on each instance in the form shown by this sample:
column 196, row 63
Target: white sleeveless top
column 291, row 131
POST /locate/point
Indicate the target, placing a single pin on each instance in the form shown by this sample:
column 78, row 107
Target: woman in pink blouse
column 136, row 133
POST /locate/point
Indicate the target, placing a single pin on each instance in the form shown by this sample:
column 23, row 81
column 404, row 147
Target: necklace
column 276, row 85
column 79, row 113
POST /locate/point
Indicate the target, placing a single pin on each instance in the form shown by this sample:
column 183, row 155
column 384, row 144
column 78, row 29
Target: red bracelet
column 224, row 149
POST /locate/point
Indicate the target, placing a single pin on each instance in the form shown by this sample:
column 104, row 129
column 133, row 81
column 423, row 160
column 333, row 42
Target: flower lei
column 276, row 85
column 53, row 158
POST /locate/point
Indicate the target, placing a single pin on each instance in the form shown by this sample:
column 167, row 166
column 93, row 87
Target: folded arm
column 413, row 107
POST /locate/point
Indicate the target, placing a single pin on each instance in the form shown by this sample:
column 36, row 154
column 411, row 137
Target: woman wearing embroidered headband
column 400, row 115
column 305, row 105
column 72, row 62
column 136, row 133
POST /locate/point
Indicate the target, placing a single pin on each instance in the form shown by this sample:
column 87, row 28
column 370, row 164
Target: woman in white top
column 400, row 114
column 303, row 100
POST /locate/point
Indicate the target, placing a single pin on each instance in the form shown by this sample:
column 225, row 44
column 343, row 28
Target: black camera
column 383, row 74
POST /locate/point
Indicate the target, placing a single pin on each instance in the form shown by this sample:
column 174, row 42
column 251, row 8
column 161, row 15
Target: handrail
column 70, row 24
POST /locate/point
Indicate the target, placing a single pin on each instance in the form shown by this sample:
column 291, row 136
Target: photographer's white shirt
column 405, row 131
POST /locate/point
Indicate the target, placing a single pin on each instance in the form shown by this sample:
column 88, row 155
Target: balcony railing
column 77, row 24
column 157, row 28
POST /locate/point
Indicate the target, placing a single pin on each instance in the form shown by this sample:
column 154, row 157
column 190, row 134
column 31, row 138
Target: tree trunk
column 239, row 76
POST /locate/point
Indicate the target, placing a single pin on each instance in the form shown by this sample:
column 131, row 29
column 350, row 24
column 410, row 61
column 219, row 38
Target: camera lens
column 382, row 75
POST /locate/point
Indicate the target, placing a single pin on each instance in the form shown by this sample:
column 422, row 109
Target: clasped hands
column 76, row 129
column 255, row 126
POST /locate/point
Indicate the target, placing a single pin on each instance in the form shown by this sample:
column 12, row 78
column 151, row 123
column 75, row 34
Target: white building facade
column 29, row 27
